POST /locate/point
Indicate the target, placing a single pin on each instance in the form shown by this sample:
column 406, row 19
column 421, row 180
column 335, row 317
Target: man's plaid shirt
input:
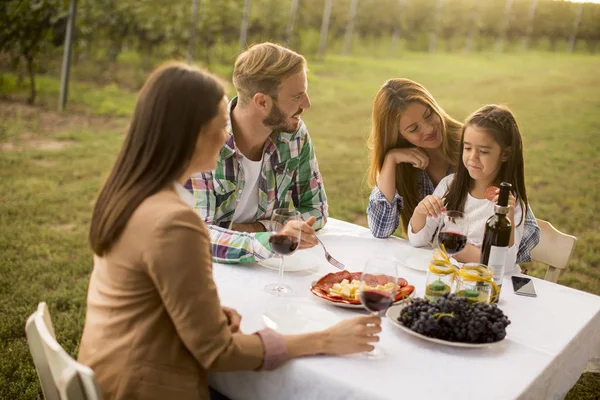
column 384, row 217
column 289, row 178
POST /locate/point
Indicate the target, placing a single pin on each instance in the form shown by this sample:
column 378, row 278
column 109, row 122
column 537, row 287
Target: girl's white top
column 478, row 212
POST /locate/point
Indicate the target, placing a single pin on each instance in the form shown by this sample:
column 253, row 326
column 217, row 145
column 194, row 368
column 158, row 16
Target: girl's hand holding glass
column 430, row 206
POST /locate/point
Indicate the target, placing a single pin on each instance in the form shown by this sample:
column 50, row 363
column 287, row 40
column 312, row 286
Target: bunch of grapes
column 452, row 318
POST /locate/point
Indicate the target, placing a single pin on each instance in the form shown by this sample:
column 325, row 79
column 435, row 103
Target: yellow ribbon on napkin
column 441, row 265
column 483, row 275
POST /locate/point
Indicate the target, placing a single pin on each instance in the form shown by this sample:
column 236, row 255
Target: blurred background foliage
column 32, row 31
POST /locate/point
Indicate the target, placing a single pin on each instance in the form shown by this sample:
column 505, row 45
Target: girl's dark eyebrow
column 483, row 147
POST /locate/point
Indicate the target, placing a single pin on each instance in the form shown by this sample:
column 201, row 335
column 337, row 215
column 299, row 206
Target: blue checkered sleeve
column 531, row 237
column 383, row 216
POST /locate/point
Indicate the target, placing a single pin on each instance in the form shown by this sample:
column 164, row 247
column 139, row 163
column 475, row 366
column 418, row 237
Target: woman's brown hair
column 500, row 123
column 390, row 102
column 174, row 104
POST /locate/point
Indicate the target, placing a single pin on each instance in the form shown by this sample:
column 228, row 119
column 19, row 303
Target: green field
column 52, row 165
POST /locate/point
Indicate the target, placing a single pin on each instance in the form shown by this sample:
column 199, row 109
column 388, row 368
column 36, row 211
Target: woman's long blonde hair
column 391, row 101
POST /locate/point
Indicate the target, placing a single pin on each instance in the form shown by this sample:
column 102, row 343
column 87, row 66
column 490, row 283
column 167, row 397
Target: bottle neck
column 501, row 209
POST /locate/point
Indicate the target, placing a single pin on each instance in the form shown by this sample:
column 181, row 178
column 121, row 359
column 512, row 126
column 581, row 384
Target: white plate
column 295, row 318
column 394, row 312
column 301, row 260
column 420, row 262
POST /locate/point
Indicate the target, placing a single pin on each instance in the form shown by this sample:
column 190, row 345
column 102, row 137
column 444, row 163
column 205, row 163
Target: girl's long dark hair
column 500, row 123
column 174, row 104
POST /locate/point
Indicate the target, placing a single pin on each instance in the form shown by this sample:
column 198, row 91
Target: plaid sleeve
column 308, row 192
column 203, row 189
column 233, row 247
column 383, row 216
column 531, row 237
column 228, row 246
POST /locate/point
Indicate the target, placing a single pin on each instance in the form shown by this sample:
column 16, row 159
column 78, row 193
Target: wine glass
column 377, row 290
column 284, row 242
column 452, row 232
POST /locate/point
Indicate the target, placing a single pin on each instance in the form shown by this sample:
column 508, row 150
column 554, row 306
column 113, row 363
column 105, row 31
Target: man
column 268, row 161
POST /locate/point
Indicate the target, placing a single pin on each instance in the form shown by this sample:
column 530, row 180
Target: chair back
column 554, row 249
column 60, row 375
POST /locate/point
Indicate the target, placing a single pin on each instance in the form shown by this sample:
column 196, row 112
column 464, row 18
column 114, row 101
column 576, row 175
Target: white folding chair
column 61, row 377
column 555, row 249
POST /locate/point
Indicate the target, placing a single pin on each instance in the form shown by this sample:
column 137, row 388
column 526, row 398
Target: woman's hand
column 415, row 156
column 307, row 233
column 430, row 206
column 387, row 176
column 352, row 335
column 234, row 319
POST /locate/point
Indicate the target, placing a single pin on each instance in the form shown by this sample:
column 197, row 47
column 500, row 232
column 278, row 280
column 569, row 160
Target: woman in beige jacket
column 154, row 324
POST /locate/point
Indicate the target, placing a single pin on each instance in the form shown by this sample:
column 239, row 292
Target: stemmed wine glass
column 452, row 232
column 377, row 290
column 284, row 242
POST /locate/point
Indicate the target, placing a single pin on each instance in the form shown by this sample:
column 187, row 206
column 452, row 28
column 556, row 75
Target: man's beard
column 277, row 120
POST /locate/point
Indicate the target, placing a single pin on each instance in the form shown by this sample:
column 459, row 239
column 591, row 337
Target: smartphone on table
column 523, row 286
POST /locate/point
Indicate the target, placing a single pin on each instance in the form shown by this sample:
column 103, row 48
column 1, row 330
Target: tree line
column 213, row 31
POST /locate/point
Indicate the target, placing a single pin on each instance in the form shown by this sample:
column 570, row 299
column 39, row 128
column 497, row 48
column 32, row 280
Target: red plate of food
column 341, row 289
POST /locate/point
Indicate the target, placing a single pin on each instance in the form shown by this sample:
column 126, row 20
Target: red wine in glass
column 453, row 242
column 376, row 300
column 378, row 272
column 283, row 242
column 284, row 245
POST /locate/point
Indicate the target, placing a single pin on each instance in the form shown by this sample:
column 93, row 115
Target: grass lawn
column 52, row 166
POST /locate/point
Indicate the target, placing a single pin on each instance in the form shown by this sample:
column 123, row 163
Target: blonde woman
column 414, row 144
column 154, row 324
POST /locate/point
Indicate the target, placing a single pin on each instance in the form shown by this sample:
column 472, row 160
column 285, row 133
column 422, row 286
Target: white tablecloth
column 547, row 347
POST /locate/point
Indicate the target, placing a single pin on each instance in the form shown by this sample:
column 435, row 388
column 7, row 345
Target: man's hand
column 307, row 233
column 250, row 227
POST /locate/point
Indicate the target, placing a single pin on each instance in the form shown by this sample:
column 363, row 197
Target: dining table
column 546, row 349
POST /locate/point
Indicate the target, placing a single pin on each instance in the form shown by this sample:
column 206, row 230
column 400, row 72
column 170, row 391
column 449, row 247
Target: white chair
column 61, row 377
column 555, row 249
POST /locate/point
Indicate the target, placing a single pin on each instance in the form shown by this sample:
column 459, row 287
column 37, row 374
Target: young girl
column 492, row 152
column 414, row 144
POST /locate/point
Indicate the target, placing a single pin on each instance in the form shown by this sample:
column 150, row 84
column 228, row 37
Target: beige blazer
column 154, row 324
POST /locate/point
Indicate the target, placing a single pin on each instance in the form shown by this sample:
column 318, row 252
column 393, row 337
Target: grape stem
column 439, row 316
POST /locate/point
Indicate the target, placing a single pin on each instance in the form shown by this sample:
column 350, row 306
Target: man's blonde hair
column 262, row 68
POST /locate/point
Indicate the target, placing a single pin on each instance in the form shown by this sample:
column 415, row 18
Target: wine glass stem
column 375, row 347
column 280, row 270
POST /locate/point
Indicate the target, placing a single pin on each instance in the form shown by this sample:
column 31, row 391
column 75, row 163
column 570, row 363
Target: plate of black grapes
column 451, row 320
